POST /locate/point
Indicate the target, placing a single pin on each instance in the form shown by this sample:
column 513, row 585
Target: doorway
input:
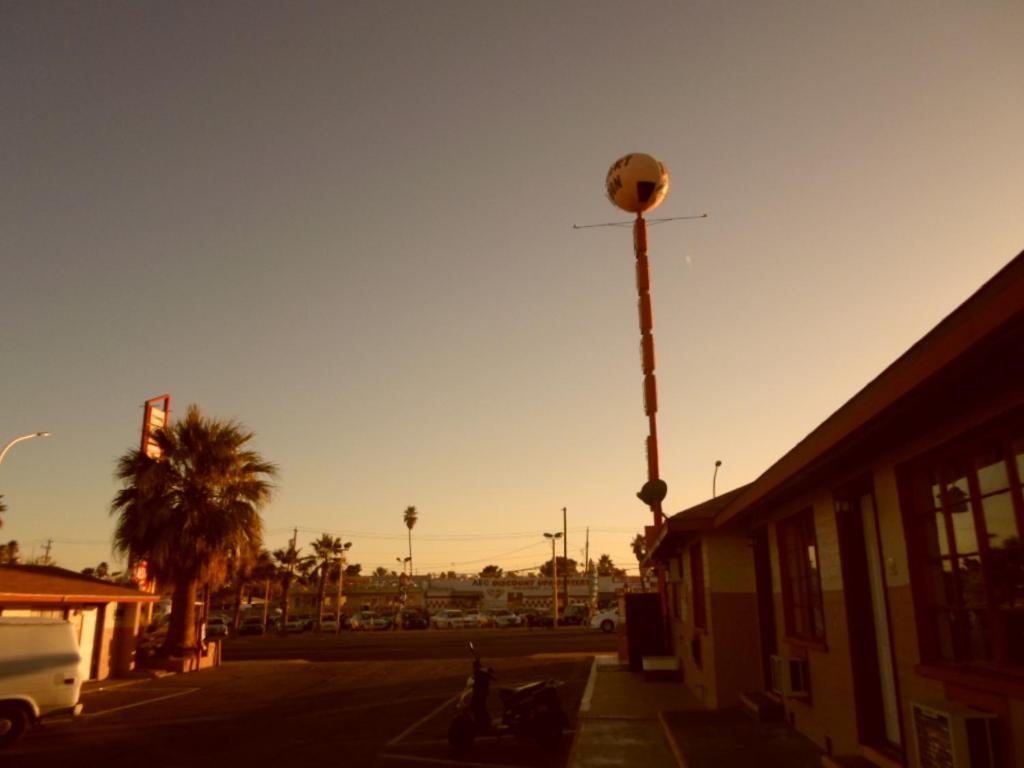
column 765, row 604
column 867, row 617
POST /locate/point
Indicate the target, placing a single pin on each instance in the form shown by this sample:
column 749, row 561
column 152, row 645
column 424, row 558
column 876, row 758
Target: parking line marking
column 442, row 761
column 588, row 692
column 421, row 721
column 140, row 703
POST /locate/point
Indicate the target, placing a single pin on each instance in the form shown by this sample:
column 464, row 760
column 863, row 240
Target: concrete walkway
column 620, row 721
column 627, row 721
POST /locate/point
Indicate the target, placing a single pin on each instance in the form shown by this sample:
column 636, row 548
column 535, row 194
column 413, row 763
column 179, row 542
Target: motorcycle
column 531, row 712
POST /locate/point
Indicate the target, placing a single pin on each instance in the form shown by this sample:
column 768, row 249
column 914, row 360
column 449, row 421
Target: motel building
column 868, row 587
column 105, row 616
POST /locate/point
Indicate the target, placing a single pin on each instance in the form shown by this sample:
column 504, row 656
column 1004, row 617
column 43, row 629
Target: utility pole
column 46, row 557
column 565, row 560
column 586, row 553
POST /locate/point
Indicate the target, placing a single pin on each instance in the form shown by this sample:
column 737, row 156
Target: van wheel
column 607, row 625
column 13, row 722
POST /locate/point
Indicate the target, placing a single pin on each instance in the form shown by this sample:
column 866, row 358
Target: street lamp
column 341, row 576
column 554, row 577
column 18, row 440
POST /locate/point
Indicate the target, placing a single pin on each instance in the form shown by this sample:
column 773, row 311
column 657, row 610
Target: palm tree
column 3, row 508
column 10, row 553
column 605, row 566
column 290, row 566
column 410, row 515
column 264, row 571
column 242, row 567
column 639, row 545
column 187, row 510
column 327, row 550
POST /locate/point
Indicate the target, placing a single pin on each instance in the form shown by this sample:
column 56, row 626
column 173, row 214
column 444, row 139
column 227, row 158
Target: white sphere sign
column 637, row 183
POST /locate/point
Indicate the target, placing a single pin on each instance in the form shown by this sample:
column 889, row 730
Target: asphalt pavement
column 358, row 698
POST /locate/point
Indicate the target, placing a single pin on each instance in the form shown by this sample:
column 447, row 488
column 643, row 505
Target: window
column 676, row 593
column 801, row 578
column 967, row 520
column 700, row 618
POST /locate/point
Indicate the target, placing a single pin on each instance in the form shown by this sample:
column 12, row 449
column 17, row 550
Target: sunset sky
column 350, row 227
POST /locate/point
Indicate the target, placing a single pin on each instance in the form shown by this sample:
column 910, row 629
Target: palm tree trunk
column 410, row 552
column 320, row 594
column 238, row 606
column 286, row 586
column 181, row 632
column 266, row 602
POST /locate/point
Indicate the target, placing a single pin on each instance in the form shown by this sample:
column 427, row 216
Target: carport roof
column 49, row 584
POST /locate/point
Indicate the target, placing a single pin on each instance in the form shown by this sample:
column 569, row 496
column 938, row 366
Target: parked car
column 503, row 618
column 574, row 616
column 329, row 624
column 41, row 675
column 369, row 620
column 473, row 619
column 251, row 625
column 296, row 624
column 412, row 619
column 449, row 618
column 536, row 618
column 607, row 621
column 216, row 627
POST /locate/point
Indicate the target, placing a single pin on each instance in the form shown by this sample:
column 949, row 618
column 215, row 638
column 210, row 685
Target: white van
column 39, row 673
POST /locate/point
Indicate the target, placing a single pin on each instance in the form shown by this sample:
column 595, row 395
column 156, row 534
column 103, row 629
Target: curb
column 677, row 751
column 584, row 706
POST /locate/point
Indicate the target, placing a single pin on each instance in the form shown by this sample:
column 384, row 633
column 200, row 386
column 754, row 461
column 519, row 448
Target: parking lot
column 360, row 698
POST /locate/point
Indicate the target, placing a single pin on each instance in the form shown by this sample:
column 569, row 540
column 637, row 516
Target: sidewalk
column 619, row 722
column 626, row 721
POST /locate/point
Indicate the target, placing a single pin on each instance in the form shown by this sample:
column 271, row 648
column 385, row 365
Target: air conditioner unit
column 951, row 735
column 790, row 677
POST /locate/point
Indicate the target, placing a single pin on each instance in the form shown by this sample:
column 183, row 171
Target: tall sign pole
column 637, row 183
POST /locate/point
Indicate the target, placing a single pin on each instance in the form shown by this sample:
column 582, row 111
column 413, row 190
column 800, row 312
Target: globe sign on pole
column 637, row 183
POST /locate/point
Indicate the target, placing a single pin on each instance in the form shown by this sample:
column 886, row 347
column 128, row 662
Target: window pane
column 974, row 638
column 1000, row 520
column 964, row 534
column 935, row 536
column 992, row 475
column 942, row 582
column 1013, row 621
column 936, row 490
column 972, row 584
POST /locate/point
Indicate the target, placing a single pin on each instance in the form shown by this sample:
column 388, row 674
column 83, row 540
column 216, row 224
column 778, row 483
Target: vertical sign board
column 157, row 415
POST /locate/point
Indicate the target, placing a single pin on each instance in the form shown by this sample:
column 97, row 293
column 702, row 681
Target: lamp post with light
column 554, row 578
column 11, row 443
column 341, row 576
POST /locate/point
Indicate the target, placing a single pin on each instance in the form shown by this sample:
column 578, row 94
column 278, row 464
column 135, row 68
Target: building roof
column 997, row 304
column 698, row 518
column 49, row 584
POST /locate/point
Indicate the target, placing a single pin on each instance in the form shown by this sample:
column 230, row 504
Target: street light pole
column 29, row 436
column 341, row 577
column 554, row 578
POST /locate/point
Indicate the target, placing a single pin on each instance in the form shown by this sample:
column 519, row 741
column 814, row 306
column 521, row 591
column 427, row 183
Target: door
column 867, row 614
column 765, row 604
column 86, row 641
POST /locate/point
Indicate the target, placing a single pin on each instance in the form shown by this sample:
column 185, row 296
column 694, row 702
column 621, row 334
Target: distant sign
column 157, row 415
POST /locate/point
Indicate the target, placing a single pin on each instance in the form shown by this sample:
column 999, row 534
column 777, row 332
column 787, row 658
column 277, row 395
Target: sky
column 349, row 226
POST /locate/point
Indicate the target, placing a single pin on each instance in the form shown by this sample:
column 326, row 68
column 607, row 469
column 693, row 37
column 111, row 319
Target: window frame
column 697, row 586
column 915, row 479
column 801, row 524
